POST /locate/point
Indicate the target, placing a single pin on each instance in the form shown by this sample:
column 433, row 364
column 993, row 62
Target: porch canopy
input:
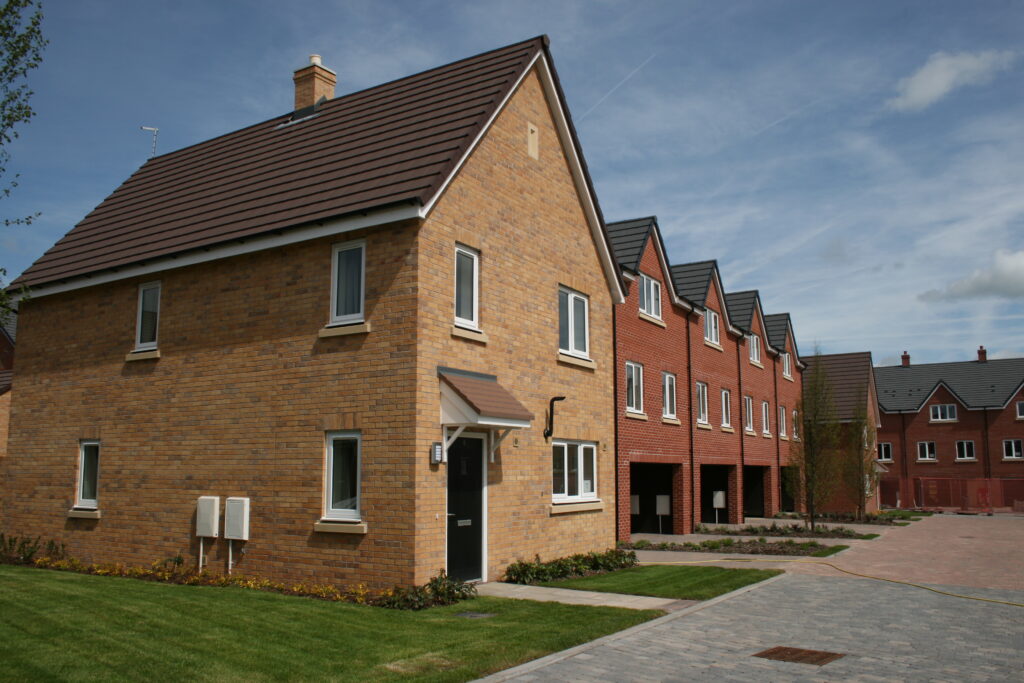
column 473, row 399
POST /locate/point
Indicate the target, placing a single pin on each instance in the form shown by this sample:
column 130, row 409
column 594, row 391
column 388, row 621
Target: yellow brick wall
column 525, row 218
column 5, row 413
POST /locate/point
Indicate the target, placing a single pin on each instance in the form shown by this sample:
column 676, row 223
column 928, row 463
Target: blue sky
column 860, row 163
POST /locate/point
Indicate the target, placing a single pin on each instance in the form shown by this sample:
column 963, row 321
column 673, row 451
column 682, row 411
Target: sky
column 859, row 163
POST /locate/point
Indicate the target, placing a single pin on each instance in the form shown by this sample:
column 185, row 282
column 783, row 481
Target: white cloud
column 1004, row 279
column 945, row 72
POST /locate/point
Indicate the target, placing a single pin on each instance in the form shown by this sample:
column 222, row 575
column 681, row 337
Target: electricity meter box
column 208, row 516
column 236, row 519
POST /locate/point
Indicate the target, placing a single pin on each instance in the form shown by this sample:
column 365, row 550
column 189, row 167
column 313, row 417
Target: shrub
column 574, row 565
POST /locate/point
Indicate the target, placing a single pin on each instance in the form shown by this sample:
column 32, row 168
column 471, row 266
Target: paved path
column 886, row 631
column 577, row 597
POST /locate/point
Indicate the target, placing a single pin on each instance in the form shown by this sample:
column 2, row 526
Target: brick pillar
column 623, row 518
column 771, row 491
column 681, row 522
column 735, row 495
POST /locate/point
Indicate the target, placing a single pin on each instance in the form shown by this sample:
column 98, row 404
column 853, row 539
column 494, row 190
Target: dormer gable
column 630, row 240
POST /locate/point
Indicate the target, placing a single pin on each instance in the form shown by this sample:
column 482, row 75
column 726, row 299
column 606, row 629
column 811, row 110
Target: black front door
column 466, row 509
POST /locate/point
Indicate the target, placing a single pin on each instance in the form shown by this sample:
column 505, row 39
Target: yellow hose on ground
column 846, row 571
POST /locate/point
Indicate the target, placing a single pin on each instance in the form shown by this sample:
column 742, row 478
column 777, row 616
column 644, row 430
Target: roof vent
column 906, row 359
column 982, row 355
column 313, row 84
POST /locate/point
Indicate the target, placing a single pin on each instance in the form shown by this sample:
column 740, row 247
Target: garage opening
column 650, row 489
column 787, row 502
column 753, row 491
column 714, row 478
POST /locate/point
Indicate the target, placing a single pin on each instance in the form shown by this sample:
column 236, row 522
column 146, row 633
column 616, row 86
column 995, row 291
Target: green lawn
column 831, row 550
column 61, row 625
column 668, row 581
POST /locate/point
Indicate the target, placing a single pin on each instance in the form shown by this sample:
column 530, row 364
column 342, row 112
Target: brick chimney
column 313, row 82
column 982, row 355
column 906, row 359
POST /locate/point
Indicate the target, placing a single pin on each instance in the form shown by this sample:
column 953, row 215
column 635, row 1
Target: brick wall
column 5, row 414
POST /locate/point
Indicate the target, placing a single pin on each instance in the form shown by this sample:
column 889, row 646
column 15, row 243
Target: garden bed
column 758, row 547
column 793, row 530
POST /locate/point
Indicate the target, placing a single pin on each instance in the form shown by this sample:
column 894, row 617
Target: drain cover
column 479, row 615
column 799, row 655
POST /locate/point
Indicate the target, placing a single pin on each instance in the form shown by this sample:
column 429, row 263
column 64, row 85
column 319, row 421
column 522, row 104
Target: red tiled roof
column 487, row 397
column 391, row 144
column 851, row 377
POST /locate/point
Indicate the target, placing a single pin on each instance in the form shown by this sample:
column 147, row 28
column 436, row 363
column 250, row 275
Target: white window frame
column 349, row 318
column 748, row 413
column 796, row 423
column 347, row 514
column 787, row 365
column 766, row 416
column 571, row 351
column 650, row 296
column 755, row 348
column 711, row 326
column 139, row 344
column 961, row 447
column 885, row 452
column 668, row 395
column 1013, row 446
column 635, row 402
column 782, row 420
column 702, row 403
column 473, row 323
column 580, row 495
column 726, row 408
column 1020, row 410
column 80, row 502
column 942, row 412
column 928, row 447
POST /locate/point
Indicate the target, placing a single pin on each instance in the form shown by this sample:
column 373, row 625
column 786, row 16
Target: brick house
column 951, row 433
column 360, row 316
column 789, row 370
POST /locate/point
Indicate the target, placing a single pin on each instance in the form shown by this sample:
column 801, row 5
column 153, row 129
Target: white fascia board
column 243, row 245
column 503, row 422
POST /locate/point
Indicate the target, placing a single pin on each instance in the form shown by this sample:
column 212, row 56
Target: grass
column 665, row 581
column 831, row 550
column 61, row 625
column 909, row 515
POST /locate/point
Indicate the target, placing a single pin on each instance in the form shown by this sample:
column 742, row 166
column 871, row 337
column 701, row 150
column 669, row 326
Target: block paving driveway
column 886, row 631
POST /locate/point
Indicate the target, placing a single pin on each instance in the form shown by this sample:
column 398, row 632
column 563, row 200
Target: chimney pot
column 313, row 82
column 906, row 359
column 982, row 355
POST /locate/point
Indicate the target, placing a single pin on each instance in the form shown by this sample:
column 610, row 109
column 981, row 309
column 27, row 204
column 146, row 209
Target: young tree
column 21, row 49
column 814, row 467
column 857, row 476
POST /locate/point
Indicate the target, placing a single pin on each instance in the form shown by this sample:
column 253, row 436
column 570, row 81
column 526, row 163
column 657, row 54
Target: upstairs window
column 348, row 281
column 748, row 413
column 926, row 450
column 1020, row 410
column 702, row 403
column 766, row 413
column 787, row 365
column 711, row 326
column 782, row 420
column 943, row 413
column 965, row 450
column 573, row 336
column 342, row 489
column 467, row 286
column 88, row 475
column 668, row 395
column 755, row 348
column 573, row 471
column 650, row 297
column 885, row 452
column 148, row 316
column 726, row 408
column 1012, row 449
column 634, row 387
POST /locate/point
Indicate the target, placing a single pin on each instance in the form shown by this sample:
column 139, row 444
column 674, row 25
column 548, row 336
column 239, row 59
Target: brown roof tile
column 486, row 397
column 851, row 377
column 391, row 144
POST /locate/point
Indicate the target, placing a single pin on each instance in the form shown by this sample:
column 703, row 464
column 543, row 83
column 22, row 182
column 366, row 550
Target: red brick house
column 384, row 319
column 788, row 392
column 951, row 433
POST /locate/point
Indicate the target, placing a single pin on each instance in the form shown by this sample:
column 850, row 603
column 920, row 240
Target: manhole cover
column 799, row 655
column 477, row 615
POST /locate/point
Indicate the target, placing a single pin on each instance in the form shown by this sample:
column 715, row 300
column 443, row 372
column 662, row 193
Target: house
column 700, row 380
column 789, row 369
column 384, row 318
column 951, row 433
column 851, row 379
column 8, row 333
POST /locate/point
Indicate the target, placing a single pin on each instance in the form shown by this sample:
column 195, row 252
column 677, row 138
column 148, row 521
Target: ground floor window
column 574, row 471
column 342, row 480
column 1012, row 449
column 885, row 452
column 87, row 495
column 926, row 450
column 965, row 450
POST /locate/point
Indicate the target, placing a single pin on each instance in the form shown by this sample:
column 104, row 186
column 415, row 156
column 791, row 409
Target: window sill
column 749, row 432
column 932, row 460
column 885, row 462
column 713, row 345
column 343, row 330
column 757, row 364
column 965, row 460
column 578, row 362
column 566, row 508
column 788, row 378
column 703, row 425
column 143, row 355
column 1005, row 459
column 79, row 513
column 783, row 437
column 942, row 422
column 671, row 421
column 471, row 335
column 339, row 527
column 767, row 436
column 651, row 319
column 727, row 428
column 636, row 416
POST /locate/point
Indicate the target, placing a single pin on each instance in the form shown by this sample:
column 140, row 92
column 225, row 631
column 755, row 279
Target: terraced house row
column 381, row 335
